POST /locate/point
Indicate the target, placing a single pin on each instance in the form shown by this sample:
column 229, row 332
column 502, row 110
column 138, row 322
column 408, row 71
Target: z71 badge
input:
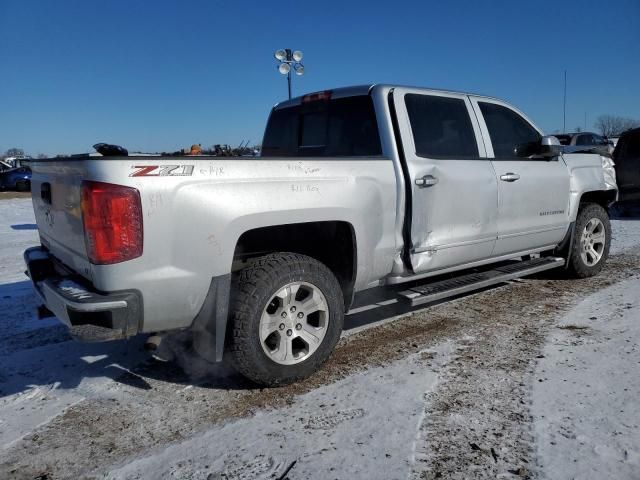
column 162, row 171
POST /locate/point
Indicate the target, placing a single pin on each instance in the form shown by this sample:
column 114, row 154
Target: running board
column 432, row 292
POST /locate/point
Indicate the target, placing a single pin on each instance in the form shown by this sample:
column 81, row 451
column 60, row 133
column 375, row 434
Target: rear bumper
column 89, row 314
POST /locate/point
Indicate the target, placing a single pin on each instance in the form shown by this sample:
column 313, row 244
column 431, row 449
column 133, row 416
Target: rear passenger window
column 341, row 127
column 441, row 127
column 507, row 129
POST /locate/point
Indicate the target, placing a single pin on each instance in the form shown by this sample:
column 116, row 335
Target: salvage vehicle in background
column 581, row 140
column 626, row 157
column 16, row 179
column 358, row 187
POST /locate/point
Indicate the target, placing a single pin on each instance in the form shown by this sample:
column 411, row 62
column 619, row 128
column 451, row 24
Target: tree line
column 613, row 126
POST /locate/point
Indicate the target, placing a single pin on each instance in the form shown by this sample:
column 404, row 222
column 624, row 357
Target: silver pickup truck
column 356, row 188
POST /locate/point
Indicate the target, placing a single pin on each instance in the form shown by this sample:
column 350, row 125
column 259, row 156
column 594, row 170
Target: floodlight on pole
column 288, row 60
column 284, row 68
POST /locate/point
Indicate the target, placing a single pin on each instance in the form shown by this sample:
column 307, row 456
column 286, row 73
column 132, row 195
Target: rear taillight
column 112, row 217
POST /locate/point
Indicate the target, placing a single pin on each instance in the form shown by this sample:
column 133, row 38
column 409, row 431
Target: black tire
column 576, row 264
column 255, row 286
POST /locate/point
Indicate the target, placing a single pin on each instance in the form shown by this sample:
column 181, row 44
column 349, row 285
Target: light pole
column 564, row 105
column 289, row 59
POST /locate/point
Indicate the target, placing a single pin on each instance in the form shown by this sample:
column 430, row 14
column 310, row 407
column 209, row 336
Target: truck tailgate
column 57, row 193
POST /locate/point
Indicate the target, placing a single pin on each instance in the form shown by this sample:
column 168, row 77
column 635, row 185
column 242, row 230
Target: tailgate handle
column 45, row 192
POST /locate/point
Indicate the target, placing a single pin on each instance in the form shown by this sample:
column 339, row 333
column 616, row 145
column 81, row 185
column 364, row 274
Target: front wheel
column 287, row 316
column 591, row 242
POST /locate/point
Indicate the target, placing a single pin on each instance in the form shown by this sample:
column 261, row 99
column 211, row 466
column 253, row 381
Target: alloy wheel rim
column 294, row 323
column 592, row 242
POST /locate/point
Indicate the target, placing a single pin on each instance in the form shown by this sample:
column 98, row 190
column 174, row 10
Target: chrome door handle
column 426, row 181
column 509, row 177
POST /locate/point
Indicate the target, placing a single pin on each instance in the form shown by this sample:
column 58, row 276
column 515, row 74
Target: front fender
column 587, row 177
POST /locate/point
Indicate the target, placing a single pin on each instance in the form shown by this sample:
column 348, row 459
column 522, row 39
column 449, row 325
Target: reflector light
column 112, row 218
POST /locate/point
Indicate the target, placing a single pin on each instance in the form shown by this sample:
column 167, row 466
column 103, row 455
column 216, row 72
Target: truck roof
column 365, row 89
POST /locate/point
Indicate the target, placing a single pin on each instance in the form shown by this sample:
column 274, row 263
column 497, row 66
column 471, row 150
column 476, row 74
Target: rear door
column 452, row 185
column 533, row 194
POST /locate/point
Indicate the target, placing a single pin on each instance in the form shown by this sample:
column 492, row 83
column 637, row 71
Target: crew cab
column 358, row 187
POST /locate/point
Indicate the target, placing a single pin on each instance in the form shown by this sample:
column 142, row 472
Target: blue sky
column 161, row 75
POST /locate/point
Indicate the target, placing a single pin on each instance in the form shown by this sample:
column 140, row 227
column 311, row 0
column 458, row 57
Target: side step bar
column 432, row 292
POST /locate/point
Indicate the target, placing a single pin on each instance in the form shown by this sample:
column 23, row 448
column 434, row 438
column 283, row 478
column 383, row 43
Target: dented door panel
column 453, row 200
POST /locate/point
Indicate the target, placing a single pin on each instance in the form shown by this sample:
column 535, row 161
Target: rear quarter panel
column 192, row 223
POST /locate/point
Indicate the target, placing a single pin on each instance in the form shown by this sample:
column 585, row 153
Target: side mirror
column 548, row 147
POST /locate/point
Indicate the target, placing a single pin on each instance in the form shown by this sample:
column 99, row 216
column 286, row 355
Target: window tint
column 342, row 127
column 507, row 129
column 441, row 127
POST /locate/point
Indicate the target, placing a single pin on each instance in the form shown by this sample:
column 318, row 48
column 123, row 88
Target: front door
column 533, row 194
column 453, row 187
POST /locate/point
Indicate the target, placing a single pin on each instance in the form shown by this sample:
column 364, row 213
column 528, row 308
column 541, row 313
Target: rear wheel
column 287, row 316
column 591, row 242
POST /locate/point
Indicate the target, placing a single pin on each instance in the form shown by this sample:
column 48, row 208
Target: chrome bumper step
column 432, row 292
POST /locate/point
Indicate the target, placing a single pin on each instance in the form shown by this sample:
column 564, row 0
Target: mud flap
column 564, row 247
column 210, row 325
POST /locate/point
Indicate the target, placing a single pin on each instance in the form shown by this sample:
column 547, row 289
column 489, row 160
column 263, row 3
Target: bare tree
column 611, row 125
column 629, row 123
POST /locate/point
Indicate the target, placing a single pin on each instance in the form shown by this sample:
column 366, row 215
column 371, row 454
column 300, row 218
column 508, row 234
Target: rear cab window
column 507, row 129
column 323, row 127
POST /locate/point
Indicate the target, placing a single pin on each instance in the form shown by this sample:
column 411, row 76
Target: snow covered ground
column 585, row 399
column 32, row 388
column 538, row 379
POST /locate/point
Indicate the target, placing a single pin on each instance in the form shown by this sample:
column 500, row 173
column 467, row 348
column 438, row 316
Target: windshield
column 563, row 139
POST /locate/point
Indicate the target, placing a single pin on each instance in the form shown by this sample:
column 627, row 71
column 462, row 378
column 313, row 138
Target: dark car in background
column 16, row 179
column 585, row 140
column 626, row 157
